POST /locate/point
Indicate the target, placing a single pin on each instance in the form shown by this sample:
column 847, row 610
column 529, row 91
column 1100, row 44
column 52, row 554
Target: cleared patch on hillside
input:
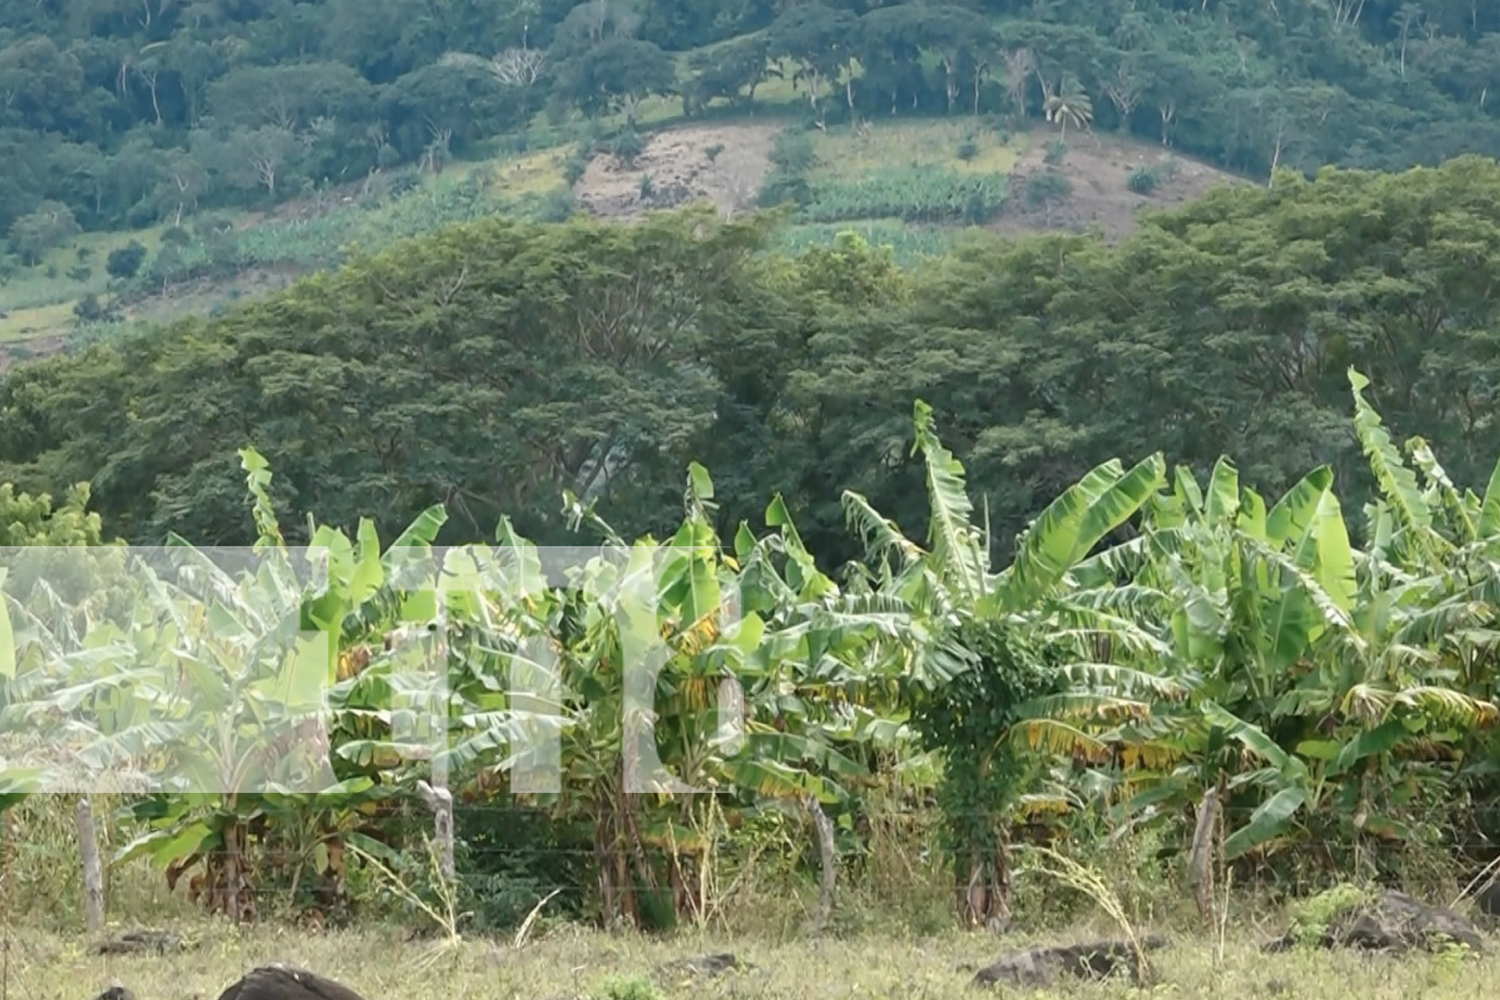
column 209, row 294
column 17, row 325
column 725, row 164
column 962, row 146
column 1097, row 167
column 14, row 352
column 533, row 173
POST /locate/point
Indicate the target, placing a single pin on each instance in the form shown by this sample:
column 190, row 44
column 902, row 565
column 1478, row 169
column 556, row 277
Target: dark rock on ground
column 1395, row 922
column 284, row 982
column 116, row 992
column 139, row 942
column 1041, row 967
column 705, row 965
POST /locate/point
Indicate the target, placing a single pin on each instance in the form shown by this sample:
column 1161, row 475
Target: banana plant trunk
column 984, row 899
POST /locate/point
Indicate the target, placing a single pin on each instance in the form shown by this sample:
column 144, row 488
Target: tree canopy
column 495, row 365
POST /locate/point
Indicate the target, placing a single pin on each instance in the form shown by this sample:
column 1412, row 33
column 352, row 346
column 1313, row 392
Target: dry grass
column 19, row 325
column 894, row 940
column 532, row 173
column 567, row 961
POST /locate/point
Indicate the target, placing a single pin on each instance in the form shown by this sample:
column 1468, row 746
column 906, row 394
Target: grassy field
column 892, row 938
column 914, row 144
column 571, row 962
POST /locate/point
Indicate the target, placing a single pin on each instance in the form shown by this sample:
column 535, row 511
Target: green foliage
column 1311, row 917
column 88, row 309
column 1047, row 189
column 969, row 719
column 51, row 225
column 1057, row 151
column 968, row 149
column 27, row 519
column 920, row 195
column 200, row 123
column 793, row 152
column 575, row 166
column 627, row 146
column 326, row 240
column 625, row 988
column 1143, row 180
column 909, row 244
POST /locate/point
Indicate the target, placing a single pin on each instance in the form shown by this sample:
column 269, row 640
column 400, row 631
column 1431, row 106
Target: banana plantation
column 1159, row 640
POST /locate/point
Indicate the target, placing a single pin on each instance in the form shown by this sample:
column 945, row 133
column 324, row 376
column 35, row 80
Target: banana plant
column 1297, row 649
column 1004, row 639
column 255, row 652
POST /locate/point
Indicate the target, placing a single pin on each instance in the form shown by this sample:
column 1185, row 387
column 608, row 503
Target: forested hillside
column 493, row 366
column 124, row 112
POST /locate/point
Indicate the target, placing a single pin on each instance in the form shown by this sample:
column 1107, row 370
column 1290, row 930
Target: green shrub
column 1056, row 151
column 781, row 187
column 793, row 152
column 1311, row 917
column 1046, row 189
column 968, row 149
column 88, row 309
column 1143, row 180
column 125, row 261
column 575, row 166
column 625, row 988
column 627, row 146
column 555, row 206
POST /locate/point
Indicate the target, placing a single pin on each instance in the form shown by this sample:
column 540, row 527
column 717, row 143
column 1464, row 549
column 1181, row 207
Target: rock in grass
column 141, row 942
column 116, row 992
column 1387, row 920
column 1041, row 967
column 284, row 982
column 704, row 965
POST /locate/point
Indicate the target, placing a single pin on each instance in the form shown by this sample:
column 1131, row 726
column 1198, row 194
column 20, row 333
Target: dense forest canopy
column 500, row 365
column 120, row 113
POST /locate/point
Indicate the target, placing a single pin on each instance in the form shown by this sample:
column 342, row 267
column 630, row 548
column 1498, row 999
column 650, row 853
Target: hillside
column 869, row 178
column 168, row 157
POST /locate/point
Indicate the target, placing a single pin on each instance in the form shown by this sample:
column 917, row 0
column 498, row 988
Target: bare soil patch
column 17, row 351
column 725, row 164
column 202, row 295
column 1098, row 165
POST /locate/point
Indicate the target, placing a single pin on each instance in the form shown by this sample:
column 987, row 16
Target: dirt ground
column 15, row 352
column 1098, row 165
column 680, row 169
column 725, row 164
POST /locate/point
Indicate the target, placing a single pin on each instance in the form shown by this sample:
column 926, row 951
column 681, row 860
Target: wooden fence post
column 93, row 871
column 440, row 801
